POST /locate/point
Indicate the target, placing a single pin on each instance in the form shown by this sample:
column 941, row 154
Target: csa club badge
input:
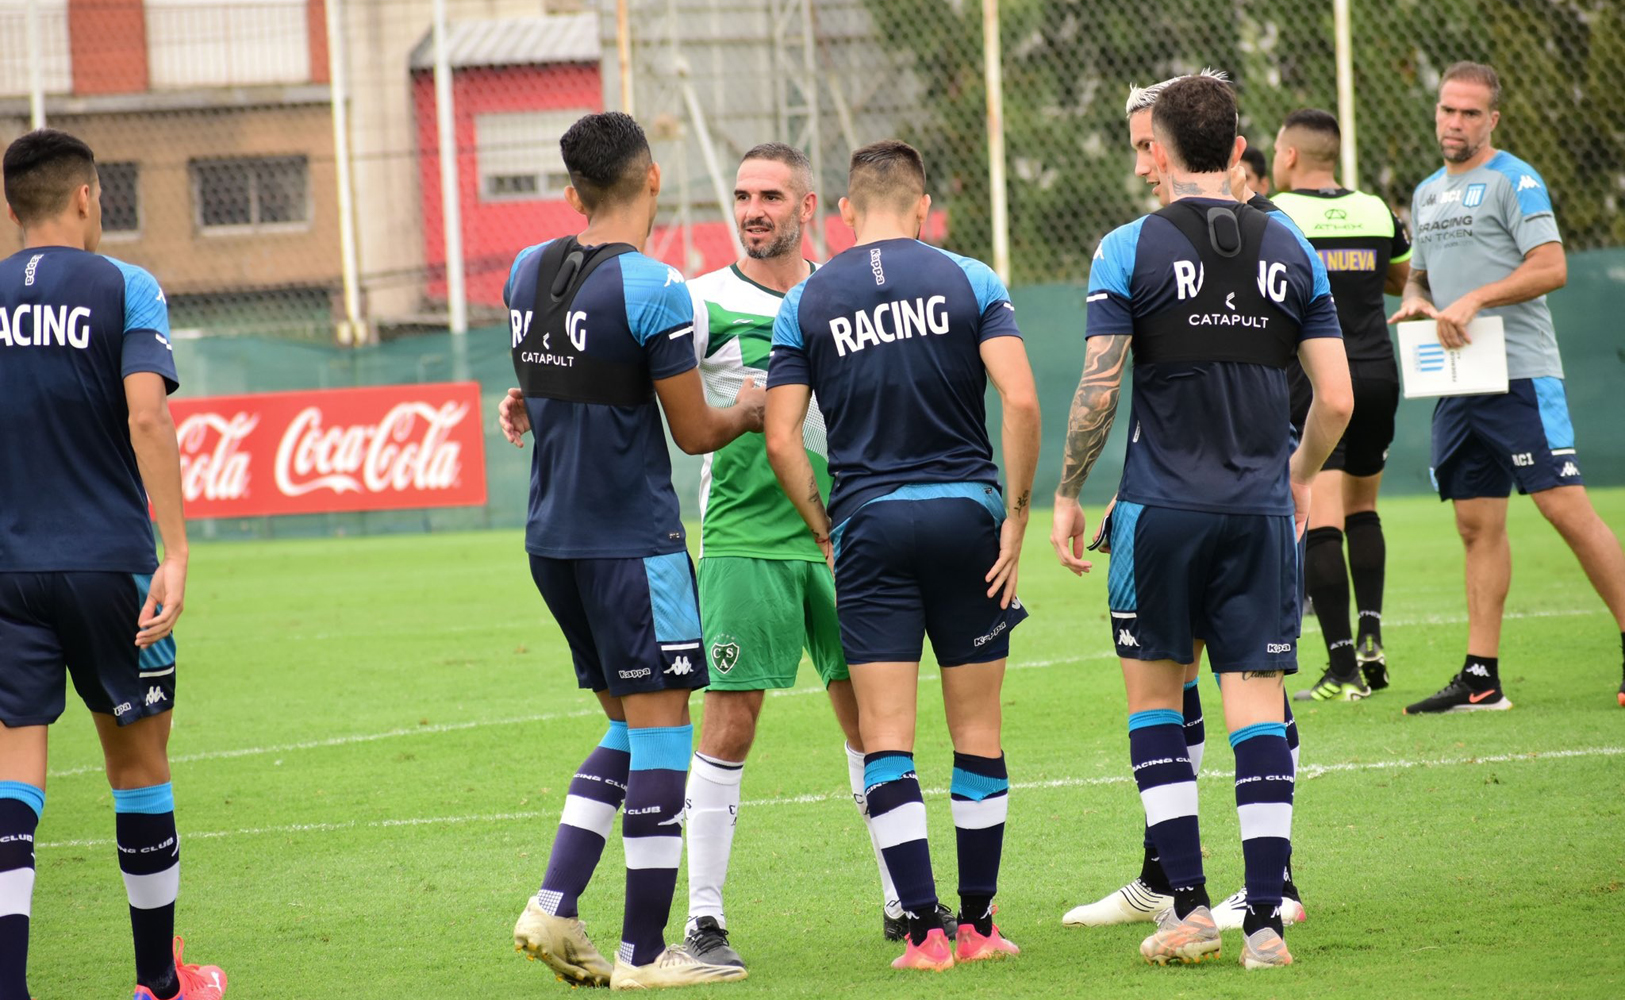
column 724, row 653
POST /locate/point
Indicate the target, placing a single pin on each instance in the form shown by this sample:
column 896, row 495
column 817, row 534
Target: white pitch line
column 451, row 727
column 1309, row 772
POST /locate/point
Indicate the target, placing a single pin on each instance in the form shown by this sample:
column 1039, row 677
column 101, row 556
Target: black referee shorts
column 1363, row 449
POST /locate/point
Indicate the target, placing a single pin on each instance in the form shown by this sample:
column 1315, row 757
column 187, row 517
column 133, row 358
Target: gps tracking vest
column 551, row 357
column 1229, row 300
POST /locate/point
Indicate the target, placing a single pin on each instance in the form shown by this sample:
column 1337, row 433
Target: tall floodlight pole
column 337, row 72
column 1345, row 91
column 623, row 52
column 451, row 208
column 998, row 201
column 36, row 72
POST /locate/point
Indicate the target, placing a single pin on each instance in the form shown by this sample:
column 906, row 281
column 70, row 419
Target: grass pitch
column 375, row 736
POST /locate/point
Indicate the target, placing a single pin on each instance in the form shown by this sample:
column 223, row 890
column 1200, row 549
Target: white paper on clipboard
column 1431, row 369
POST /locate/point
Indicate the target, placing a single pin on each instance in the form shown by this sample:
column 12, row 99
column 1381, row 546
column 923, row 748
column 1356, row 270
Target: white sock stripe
column 17, row 892
column 899, row 826
column 588, row 814
column 653, row 852
column 1194, row 752
column 1265, row 819
column 1166, row 802
column 149, row 892
column 970, row 815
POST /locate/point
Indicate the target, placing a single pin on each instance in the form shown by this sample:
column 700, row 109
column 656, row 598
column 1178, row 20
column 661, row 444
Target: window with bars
column 261, row 193
column 121, row 197
column 518, row 153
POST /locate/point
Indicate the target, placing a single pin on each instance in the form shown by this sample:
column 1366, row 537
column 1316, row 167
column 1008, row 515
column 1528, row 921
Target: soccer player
column 1148, row 894
column 1255, row 170
column 764, row 587
column 1366, row 252
column 898, row 340
column 85, row 372
column 1487, row 242
column 599, row 333
column 1214, row 298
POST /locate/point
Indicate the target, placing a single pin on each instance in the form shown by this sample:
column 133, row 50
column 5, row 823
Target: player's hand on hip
column 1300, row 509
column 1066, row 535
column 165, row 598
column 513, row 418
column 1452, row 322
column 753, row 398
column 1001, row 579
column 1412, row 308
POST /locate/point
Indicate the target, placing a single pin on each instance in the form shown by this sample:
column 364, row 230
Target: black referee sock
column 1368, row 559
column 1327, row 580
column 1482, row 672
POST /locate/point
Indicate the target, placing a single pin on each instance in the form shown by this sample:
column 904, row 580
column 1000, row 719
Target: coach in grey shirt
column 1486, row 241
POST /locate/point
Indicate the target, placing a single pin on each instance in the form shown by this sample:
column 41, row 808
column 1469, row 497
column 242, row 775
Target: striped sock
column 1264, row 783
column 595, row 795
column 898, row 813
column 1162, row 769
column 20, row 808
column 1291, row 732
column 652, row 833
column 1195, row 728
column 980, row 793
column 149, row 854
column 713, row 809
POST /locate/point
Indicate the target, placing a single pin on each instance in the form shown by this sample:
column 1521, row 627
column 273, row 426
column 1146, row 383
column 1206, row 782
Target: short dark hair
column 890, row 169
column 783, row 152
column 607, row 156
column 1254, row 158
column 42, row 170
column 1196, row 119
column 1480, row 73
column 1318, row 136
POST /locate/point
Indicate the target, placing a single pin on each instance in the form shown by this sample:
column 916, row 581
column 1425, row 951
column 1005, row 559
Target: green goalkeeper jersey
column 743, row 512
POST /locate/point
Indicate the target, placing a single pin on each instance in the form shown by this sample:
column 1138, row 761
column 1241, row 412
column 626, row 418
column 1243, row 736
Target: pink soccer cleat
column 931, row 955
column 198, row 982
column 970, row 946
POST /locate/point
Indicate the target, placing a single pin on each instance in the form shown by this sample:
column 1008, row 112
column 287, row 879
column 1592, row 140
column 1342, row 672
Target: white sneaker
column 562, row 943
column 672, row 967
column 1134, row 903
column 1229, row 914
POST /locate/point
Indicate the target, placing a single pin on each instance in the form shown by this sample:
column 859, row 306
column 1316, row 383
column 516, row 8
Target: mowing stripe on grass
column 1308, row 773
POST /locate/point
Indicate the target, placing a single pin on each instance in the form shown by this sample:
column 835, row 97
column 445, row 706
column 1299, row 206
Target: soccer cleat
column 1228, row 914
column 562, row 943
column 1264, row 949
column 1373, row 663
column 198, row 982
column 672, row 967
column 931, row 955
column 1622, row 694
column 896, row 928
column 972, row 946
column 1182, row 942
column 708, row 942
column 1459, row 696
column 1133, row 903
column 1331, row 687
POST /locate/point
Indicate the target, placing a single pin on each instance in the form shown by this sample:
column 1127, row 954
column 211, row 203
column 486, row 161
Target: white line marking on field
column 1308, row 772
column 1309, row 626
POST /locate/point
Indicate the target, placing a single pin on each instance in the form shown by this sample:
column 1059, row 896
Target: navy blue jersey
column 600, row 475
column 72, row 326
column 1210, row 425
column 888, row 335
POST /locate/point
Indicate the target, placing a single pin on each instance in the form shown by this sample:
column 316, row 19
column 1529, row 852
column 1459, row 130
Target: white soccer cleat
column 672, row 967
column 562, row 943
column 1229, row 914
column 1134, row 903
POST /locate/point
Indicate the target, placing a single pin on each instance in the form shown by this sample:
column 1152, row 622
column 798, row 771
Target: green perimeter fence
column 1588, row 314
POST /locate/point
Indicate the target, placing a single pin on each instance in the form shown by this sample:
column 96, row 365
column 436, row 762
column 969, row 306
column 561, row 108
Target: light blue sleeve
column 983, row 281
column 787, row 324
column 1527, row 186
column 145, row 307
column 1113, row 264
column 513, row 272
column 657, row 300
column 1321, row 285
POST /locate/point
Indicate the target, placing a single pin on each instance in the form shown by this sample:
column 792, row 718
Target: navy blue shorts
column 80, row 625
column 913, row 564
column 633, row 625
column 1231, row 580
column 1484, row 445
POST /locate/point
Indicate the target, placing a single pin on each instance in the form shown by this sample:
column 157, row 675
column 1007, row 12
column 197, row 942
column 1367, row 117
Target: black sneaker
column 708, row 942
column 896, row 928
column 1368, row 654
column 1459, row 696
column 1332, row 687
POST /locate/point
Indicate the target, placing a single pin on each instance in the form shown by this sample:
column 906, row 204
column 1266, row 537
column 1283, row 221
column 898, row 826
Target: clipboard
column 1429, row 368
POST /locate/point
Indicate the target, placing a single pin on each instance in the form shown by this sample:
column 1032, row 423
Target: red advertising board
column 329, row 450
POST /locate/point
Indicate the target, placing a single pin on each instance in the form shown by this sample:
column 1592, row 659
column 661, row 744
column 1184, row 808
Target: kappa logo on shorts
column 1278, row 647
column 682, row 666
column 1124, row 638
column 155, row 694
column 725, row 653
column 1569, row 469
column 633, row 675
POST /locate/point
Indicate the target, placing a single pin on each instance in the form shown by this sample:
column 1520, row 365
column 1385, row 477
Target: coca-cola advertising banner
column 329, row 450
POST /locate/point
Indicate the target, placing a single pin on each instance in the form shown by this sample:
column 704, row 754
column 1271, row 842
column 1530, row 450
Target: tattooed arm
column 786, row 412
column 1087, row 425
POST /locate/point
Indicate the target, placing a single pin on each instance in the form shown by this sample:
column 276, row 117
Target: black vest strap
column 550, row 363
column 1231, row 315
